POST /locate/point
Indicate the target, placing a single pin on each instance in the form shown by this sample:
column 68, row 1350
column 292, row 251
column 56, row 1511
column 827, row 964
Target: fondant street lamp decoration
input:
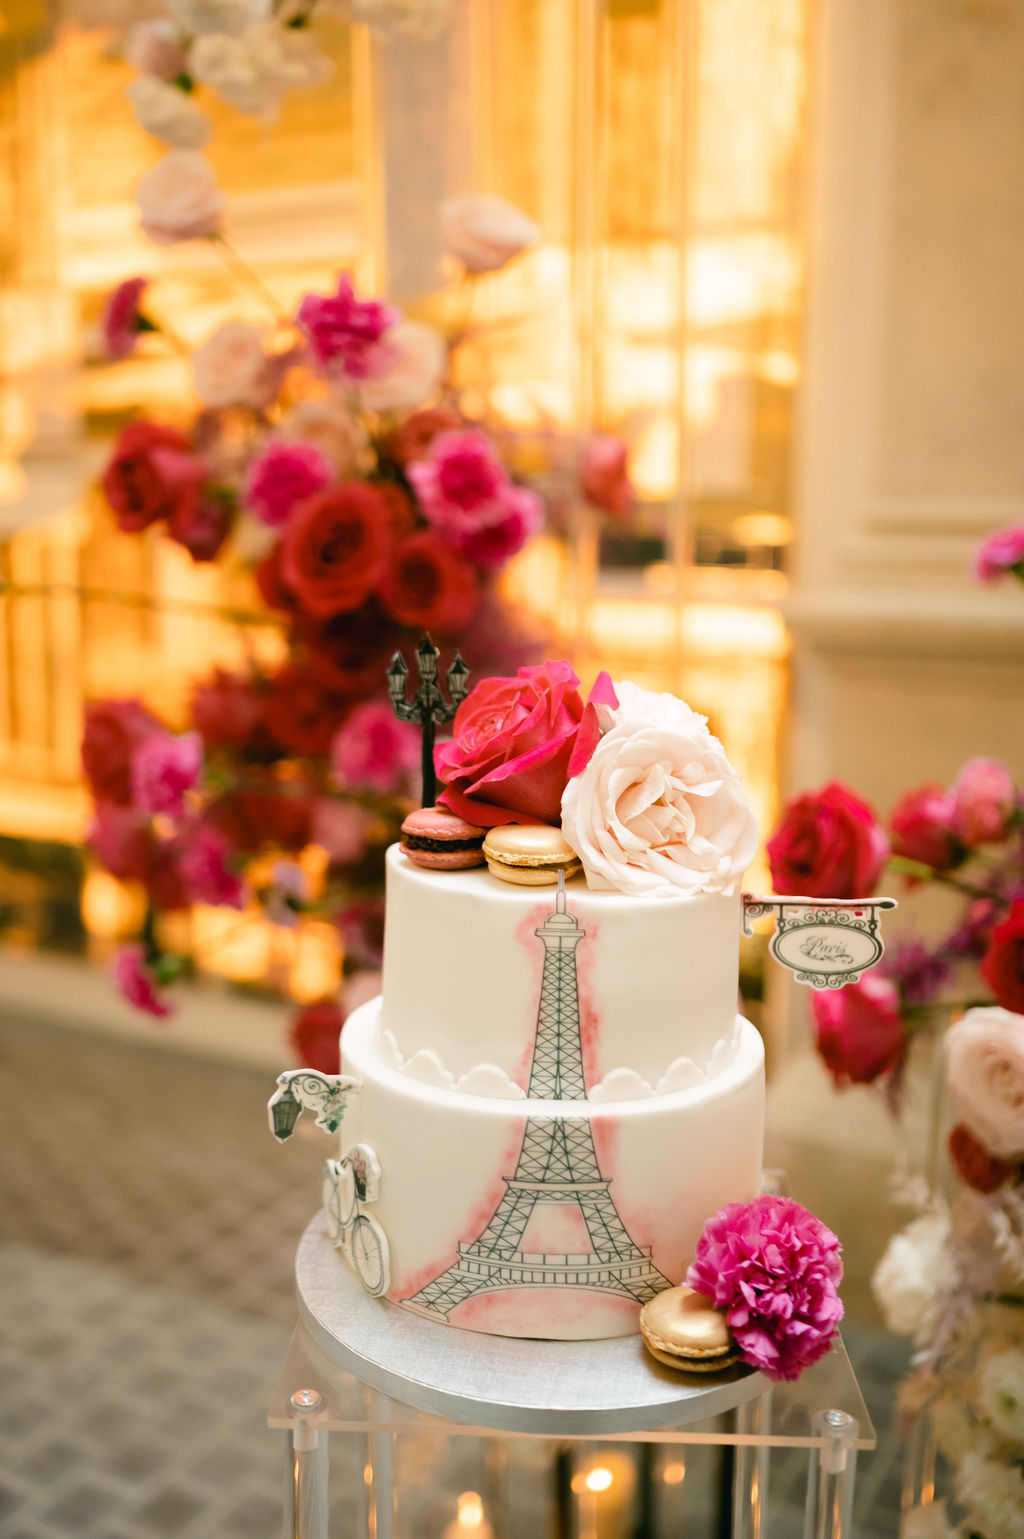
column 428, row 707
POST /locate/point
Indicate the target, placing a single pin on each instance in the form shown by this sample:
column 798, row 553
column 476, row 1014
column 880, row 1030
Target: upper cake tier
column 463, row 967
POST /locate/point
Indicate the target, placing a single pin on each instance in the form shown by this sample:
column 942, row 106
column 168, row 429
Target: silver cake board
column 509, row 1384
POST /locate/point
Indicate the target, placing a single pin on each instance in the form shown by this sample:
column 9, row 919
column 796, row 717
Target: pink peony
column 861, row 1034
column 1002, row 552
column 137, row 984
column 604, row 473
column 372, row 748
column 205, row 869
column 984, row 801
column 774, row 1269
column 163, row 768
column 828, row 845
column 284, row 475
column 347, row 334
column 122, row 319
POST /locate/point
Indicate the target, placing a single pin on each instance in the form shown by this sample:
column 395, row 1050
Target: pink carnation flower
column 163, row 768
column 122, row 318
column 284, row 475
column 466, row 495
column 346, row 333
column 205, row 869
column 137, row 984
column 1002, row 552
column 372, row 748
column 774, row 1269
column 493, row 544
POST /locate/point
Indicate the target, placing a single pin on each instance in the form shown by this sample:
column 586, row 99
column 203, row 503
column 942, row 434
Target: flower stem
column 245, row 274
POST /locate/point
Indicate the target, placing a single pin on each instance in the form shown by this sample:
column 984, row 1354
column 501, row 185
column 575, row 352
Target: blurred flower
column 113, row 729
column 929, row 1522
column 349, row 653
column 227, row 711
column 984, row 801
column 169, row 113
column 362, row 930
column 1001, row 553
column 974, row 1164
column 329, row 426
column 137, row 984
column 254, row 70
column 461, row 483
column 121, row 839
column 278, row 816
column 1001, row 1392
column 155, row 47
column 301, row 713
column 985, row 1072
column 485, row 232
column 992, row 1496
column 205, row 868
column 122, row 318
column 360, row 988
column 151, row 474
column 232, row 368
column 412, row 438
column 915, row 1272
column 347, row 334
column 427, row 585
column 860, row 1032
column 920, row 974
column 340, row 828
column 334, row 548
column 829, row 844
column 314, row 1036
column 1002, row 966
column 280, row 477
column 163, row 769
column 179, row 198
column 604, row 473
column 372, row 748
column 202, row 526
column 214, row 15
column 922, row 828
column 414, row 371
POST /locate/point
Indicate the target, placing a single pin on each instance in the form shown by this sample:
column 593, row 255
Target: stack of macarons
column 527, row 854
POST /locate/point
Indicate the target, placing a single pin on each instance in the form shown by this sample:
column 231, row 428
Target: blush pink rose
column 284, row 475
column 414, row 371
column 373, row 748
column 984, row 801
column 829, row 844
column 205, row 869
column 155, row 47
column 137, row 984
column 232, row 367
column 604, row 474
column 164, row 768
column 179, row 198
column 1001, row 553
column 985, row 1070
column 485, row 232
column 341, row 829
column 861, row 1034
column 922, row 828
column 122, row 318
column 347, row 335
column 514, row 742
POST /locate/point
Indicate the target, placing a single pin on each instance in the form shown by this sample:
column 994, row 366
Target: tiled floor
column 148, row 1223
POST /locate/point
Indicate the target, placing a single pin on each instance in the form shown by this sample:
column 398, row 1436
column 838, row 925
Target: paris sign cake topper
column 824, row 942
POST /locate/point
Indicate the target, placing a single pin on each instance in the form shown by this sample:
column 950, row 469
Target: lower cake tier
column 554, row 1219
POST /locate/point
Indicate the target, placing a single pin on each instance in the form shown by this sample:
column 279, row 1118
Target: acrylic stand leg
column 306, row 1466
column 750, row 1469
column 380, row 1485
column 829, row 1512
column 919, row 1465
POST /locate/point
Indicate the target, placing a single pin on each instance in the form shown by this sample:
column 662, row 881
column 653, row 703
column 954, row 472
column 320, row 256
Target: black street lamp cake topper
column 824, row 942
column 428, row 707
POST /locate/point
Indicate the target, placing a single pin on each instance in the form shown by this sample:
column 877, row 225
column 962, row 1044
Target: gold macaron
column 684, row 1330
column 529, row 854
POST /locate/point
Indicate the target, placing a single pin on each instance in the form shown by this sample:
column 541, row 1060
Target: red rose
column 1002, row 966
column 509, row 759
column 350, row 653
column 227, row 712
column 164, row 882
column 975, row 1165
column 861, row 1034
column 828, row 845
column 151, row 474
column 113, row 730
column 249, row 820
column 335, row 546
column 273, row 589
column 314, row 1035
column 922, row 828
column 201, row 525
column 429, row 586
column 301, row 714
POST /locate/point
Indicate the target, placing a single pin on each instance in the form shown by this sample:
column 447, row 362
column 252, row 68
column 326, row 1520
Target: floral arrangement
column 774, row 1270
column 942, row 1278
column 331, row 455
column 643, row 793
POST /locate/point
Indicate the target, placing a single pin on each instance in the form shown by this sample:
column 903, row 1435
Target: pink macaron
column 439, row 840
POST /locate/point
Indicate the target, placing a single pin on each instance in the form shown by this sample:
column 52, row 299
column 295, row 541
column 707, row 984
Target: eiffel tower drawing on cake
column 557, row 1165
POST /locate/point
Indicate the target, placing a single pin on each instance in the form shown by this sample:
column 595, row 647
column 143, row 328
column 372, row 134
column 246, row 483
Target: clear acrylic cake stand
column 361, row 1366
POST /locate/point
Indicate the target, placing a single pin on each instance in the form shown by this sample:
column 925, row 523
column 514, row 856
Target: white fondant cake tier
column 551, row 1218
column 462, row 976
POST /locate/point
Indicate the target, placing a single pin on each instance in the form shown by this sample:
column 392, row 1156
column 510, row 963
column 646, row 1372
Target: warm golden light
column 674, row 1474
column 111, row 910
column 599, row 1479
column 470, row 1510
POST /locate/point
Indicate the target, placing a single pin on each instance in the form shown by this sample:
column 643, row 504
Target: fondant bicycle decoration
column 349, row 1183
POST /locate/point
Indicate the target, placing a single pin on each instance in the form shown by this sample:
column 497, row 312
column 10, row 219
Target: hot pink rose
column 372, row 748
column 922, row 828
column 284, row 475
column 163, row 769
column 347, row 334
column 604, row 473
column 205, row 869
column 113, row 730
column 122, row 318
column 509, row 759
column 984, row 801
column 461, row 484
column 137, row 984
column 861, row 1034
column 1002, row 552
column 828, row 845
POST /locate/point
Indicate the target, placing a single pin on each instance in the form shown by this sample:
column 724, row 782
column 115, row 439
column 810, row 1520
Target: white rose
column 957, row 1432
column 329, row 426
column 211, row 16
column 419, row 355
column 992, row 1495
column 253, row 71
column 913, row 1275
column 485, row 232
column 659, row 809
column 168, row 113
column 179, row 198
column 985, row 1070
column 1001, row 1393
column 155, row 48
column 232, row 368
column 931, row 1522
